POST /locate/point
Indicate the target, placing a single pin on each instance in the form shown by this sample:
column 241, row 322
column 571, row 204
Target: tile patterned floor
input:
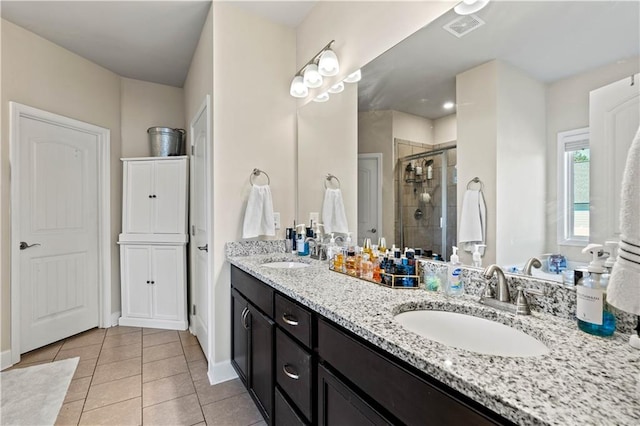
column 133, row 376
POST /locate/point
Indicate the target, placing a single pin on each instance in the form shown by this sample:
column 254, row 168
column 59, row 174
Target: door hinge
column 193, row 309
column 193, row 230
column 193, row 150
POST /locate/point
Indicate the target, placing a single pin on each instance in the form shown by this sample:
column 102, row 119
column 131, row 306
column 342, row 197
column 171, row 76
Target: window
column 573, row 187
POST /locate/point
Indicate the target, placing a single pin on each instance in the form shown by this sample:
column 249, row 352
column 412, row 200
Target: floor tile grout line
column 227, row 397
column 92, row 375
column 109, row 405
column 168, row 400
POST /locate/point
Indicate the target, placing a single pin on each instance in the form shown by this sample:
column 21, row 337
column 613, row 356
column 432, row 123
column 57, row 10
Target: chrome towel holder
column 475, row 180
column 256, row 173
column 329, row 178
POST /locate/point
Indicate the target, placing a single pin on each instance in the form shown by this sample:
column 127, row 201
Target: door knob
column 24, row 245
column 204, row 248
column 373, row 230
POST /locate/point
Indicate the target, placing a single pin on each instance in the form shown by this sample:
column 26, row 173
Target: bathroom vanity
column 317, row 347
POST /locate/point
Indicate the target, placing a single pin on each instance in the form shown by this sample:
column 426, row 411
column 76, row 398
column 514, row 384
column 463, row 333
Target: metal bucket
column 166, row 142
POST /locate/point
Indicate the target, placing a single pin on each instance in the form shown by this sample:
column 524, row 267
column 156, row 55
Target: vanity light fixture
column 448, row 105
column 324, row 63
column 322, row 97
column 337, row 88
column 467, row 7
column 354, row 77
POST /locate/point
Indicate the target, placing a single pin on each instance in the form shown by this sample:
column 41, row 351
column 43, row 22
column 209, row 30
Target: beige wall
column 40, row 74
column 144, row 105
column 412, row 128
column 324, row 130
column 254, row 126
column 567, row 109
column 445, row 129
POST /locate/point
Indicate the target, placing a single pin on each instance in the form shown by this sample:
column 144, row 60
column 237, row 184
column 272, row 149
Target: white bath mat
column 34, row 395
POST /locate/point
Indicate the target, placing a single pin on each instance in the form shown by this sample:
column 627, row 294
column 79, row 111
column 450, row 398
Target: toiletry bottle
column 332, row 251
column 455, row 286
column 382, row 245
column 359, row 257
column 592, row 311
column 301, row 245
column 377, row 270
column 366, row 247
column 350, row 264
column 477, row 257
column 366, row 267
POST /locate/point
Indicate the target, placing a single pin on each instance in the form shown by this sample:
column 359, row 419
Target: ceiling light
column 298, row 89
column 467, row 7
column 337, row 88
column 328, row 65
column 312, row 78
column 448, row 105
column 322, row 97
column 354, row 77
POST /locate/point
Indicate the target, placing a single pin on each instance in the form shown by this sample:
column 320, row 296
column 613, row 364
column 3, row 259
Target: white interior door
column 199, row 248
column 614, row 116
column 369, row 197
column 58, row 187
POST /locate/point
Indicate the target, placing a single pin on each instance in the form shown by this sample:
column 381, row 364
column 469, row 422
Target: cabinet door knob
column 154, row 196
column 289, row 319
column 290, row 374
column 150, row 196
column 148, row 282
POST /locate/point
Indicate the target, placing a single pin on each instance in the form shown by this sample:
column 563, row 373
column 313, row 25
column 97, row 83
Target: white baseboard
column 5, row 359
column 115, row 317
column 221, row 372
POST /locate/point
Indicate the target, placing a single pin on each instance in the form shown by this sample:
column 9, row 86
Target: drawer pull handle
column 245, row 313
column 291, row 320
column 289, row 374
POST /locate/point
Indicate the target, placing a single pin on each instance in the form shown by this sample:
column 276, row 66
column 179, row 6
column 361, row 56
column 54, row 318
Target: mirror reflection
column 513, row 76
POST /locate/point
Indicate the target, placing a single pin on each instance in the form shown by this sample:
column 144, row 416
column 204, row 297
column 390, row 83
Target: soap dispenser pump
column 592, row 312
column 611, row 260
column 477, row 257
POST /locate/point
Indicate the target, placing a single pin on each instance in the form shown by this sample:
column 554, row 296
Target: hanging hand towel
column 334, row 217
column 623, row 290
column 473, row 226
column 258, row 217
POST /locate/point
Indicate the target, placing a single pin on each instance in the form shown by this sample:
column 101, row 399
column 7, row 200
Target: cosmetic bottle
column 592, row 311
column 350, row 264
column 366, row 267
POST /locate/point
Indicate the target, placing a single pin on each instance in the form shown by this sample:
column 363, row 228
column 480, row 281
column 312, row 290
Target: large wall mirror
column 517, row 74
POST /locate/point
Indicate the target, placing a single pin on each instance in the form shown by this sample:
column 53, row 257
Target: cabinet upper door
column 170, row 199
column 155, row 197
column 138, row 197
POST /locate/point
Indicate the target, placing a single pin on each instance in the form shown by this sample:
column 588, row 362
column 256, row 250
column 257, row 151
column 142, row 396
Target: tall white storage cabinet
column 153, row 242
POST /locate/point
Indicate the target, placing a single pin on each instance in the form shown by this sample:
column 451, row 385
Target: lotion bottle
column 592, row 311
column 455, row 286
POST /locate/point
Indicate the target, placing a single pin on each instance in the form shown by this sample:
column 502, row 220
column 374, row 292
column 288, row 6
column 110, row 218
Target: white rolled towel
column 623, row 290
column 258, row 217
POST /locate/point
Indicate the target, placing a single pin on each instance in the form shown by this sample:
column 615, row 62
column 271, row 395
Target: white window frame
column 568, row 141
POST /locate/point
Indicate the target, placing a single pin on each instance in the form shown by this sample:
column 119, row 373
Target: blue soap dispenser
column 592, row 310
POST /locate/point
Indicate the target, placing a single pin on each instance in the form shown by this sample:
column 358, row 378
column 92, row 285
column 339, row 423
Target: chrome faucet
column 316, row 250
column 501, row 299
column 534, row 262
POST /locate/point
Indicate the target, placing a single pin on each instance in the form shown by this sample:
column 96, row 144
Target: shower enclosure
column 426, row 210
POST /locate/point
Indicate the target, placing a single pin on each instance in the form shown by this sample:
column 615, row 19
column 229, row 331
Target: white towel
column 333, row 214
column 473, row 226
column 258, row 217
column 623, row 290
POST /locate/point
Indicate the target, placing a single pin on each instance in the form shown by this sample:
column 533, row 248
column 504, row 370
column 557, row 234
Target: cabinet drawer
column 253, row 289
column 285, row 415
column 293, row 372
column 407, row 396
column 294, row 318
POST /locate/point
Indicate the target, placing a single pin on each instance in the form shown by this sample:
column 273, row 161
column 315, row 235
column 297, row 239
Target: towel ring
column 475, row 180
column 329, row 178
column 256, row 173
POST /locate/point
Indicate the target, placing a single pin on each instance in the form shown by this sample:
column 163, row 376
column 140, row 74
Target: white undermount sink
column 471, row 333
column 285, row 265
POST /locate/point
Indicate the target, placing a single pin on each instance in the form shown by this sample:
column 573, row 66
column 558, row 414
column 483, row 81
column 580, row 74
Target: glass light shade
column 322, row 97
column 298, row 89
column 354, row 77
column 312, row 77
column 467, row 7
column 337, row 88
column 328, row 65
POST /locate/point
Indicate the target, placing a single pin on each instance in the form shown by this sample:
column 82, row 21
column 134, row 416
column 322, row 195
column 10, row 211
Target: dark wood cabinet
column 339, row 405
column 301, row 368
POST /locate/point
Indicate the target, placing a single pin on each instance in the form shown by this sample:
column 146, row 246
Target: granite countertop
column 584, row 380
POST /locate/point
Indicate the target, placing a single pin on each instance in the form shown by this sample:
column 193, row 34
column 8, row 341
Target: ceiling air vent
column 463, row 25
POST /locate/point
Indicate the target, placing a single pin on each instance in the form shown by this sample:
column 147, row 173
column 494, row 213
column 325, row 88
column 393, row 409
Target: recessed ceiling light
column 448, row 105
